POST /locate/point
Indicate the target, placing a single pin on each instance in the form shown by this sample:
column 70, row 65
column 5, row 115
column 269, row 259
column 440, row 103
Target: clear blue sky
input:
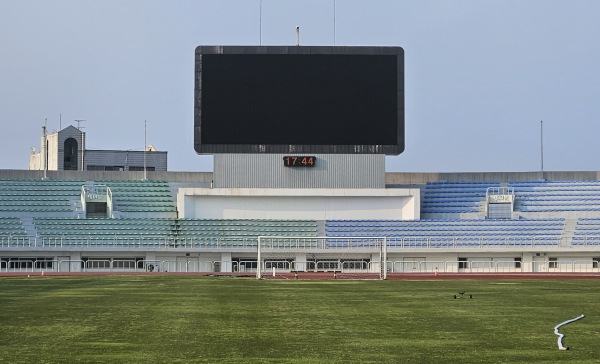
column 480, row 75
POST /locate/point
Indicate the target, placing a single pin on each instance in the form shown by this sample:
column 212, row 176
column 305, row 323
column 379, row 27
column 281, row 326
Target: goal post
column 286, row 257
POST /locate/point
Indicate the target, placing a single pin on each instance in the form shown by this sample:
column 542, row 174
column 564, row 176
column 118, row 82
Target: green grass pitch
column 189, row 319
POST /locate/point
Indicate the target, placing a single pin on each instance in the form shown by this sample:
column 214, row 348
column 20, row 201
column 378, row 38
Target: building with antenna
column 65, row 150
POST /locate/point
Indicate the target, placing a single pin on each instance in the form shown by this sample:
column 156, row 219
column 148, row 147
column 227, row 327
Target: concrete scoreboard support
column 326, row 171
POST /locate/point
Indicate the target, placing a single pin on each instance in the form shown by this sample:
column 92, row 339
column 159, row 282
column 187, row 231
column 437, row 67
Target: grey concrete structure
column 329, row 171
column 125, row 160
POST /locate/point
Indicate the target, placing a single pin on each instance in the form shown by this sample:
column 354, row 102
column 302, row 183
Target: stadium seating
column 38, row 197
column 92, row 231
column 11, row 226
column 147, row 216
column 587, row 232
column 454, row 197
column 164, row 231
column 140, row 198
column 448, row 233
column 222, row 228
column 557, row 196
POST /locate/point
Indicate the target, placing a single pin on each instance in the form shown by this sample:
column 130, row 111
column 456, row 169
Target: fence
column 142, row 241
column 22, row 265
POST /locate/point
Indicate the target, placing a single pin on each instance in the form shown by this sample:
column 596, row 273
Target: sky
column 481, row 77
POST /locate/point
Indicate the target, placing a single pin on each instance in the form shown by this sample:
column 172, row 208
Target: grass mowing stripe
column 138, row 319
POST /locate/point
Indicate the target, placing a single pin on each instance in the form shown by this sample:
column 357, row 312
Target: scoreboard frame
column 394, row 148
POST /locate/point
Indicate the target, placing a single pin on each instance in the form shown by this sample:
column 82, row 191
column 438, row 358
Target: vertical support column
column 527, row 263
column 226, row 264
column 258, row 258
column 300, row 263
column 75, row 262
column 383, row 274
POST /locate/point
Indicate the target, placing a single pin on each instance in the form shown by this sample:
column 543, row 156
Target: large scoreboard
column 297, row 99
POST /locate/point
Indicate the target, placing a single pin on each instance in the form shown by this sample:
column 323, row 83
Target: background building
column 65, row 151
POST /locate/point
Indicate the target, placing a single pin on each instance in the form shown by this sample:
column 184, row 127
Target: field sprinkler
column 461, row 294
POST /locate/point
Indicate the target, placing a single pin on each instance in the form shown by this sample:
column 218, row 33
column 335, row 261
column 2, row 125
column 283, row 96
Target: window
column 96, row 209
column 595, row 262
column 552, row 263
column 105, row 168
column 70, row 155
column 27, row 263
column 518, row 262
column 137, row 169
column 247, row 264
column 43, row 263
column 462, row 263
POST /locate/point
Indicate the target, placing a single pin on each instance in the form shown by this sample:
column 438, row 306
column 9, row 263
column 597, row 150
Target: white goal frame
column 269, row 248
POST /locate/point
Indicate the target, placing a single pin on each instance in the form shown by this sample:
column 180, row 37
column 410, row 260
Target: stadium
column 308, row 197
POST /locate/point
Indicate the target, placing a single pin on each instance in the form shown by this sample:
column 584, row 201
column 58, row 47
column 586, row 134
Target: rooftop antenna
column 260, row 24
column 334, row 22
column 79, row 121
column 297, row 35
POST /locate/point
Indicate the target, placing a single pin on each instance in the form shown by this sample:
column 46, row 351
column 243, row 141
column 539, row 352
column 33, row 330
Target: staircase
column 29, row 227
column 566, row 238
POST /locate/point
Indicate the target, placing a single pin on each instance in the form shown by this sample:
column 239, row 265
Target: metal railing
column 23, row 265
column 141, row 241
column 495, row 266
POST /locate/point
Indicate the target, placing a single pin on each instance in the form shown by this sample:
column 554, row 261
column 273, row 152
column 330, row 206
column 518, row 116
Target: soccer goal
column 285, row 257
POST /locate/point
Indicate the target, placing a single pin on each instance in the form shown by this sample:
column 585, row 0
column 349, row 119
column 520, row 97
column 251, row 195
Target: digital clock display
column 299, row 161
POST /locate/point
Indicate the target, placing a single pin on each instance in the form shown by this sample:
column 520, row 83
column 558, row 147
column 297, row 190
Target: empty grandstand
column 100, row 221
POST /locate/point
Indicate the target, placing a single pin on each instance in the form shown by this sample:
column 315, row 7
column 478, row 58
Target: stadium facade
column 93, row 221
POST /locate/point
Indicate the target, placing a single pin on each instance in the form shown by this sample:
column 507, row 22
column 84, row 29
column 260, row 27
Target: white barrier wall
column 315, row 204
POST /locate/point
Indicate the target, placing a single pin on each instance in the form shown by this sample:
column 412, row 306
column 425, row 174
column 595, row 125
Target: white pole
column 542, row 144
column 260, row 24
column 145, row 147
column 82, row 152
column 45, row 148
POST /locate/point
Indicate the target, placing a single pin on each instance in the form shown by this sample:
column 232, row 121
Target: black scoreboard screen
column 272, row 99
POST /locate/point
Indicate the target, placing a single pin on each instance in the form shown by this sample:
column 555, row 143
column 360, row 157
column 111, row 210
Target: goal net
column 321, row 257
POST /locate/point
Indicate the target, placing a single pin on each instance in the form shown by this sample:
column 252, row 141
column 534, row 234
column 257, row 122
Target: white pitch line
column 560, row 336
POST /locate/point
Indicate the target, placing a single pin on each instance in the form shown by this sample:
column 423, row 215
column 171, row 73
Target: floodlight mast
column 45, row 133
column 145, row 147
column 542, row 146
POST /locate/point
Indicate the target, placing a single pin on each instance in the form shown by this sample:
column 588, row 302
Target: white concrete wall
column 35, row 162
column 316, row 204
